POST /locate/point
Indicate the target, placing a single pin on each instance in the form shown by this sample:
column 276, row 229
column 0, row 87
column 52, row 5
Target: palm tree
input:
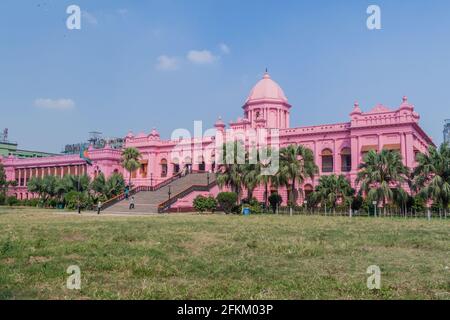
column 130, row 160
column 35, row 185
column 251, row 178
column 266, row 176
column 98, row 185
column 431, row 178
column 333, row 188
column 380, row 174
column 296, row 165
column 231, row 172
column 114, row 185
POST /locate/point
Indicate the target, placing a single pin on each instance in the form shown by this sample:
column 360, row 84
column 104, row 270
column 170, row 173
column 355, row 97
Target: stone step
column 148, row 201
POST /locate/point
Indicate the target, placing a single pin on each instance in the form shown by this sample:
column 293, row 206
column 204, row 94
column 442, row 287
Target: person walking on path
column 99, row 207
column 132, row 203
column 127, row 192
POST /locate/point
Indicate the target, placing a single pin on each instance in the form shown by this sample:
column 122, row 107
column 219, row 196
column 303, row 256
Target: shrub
column 202, row 204
column 33, row 202
column 227, row 200
column 253, row 204
column 12, row 201
column 275, row 201
column 72, row 199
column 2, row 198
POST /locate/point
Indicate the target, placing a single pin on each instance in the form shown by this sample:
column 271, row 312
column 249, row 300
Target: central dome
column 266, row 89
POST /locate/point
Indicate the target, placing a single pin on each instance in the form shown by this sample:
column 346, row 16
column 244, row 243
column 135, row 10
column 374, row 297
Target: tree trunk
column 129, row 181
column 265, row 194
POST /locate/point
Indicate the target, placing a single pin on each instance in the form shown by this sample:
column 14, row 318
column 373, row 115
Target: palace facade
column 338, row 148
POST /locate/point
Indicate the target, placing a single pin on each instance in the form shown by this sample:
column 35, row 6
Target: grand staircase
column 157, row 200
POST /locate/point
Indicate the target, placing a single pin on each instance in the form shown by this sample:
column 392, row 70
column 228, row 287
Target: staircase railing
column 138, row 189
column 122, row 196
column 164, row 206
column 166, row 182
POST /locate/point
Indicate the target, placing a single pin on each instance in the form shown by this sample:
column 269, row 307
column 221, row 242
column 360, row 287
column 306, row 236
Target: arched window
column 346, row 160
column 327, row 160
column 163, row 168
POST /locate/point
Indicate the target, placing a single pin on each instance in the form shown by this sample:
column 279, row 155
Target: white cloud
column 201, row 57
column 55, row 104
column 167, row 63
column 224, row 48
column 89, row 17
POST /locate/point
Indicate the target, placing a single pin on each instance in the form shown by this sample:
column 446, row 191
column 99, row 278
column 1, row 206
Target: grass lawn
column 221, row 257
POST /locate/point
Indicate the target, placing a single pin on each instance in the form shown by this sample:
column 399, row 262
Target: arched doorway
column 188, row 164
column 176, row 165
column 163, row 164
column 201, row 164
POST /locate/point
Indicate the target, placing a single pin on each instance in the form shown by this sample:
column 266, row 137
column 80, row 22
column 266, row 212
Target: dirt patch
column 201, row 241
column 8, row 261
column 38, row 259
column 72, row 237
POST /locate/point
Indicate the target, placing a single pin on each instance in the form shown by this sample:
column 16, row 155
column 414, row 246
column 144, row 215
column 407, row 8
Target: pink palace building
column 338, row 148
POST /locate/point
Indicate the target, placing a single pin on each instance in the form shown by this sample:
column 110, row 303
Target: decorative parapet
column 326, row 128
column 382, row 115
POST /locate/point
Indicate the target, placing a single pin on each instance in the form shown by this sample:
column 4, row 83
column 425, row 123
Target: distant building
column 9, row 148
column 96, row 141
column 447, row 131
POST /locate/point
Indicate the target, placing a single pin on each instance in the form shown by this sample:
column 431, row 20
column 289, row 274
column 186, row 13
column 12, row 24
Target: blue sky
column 143, row 64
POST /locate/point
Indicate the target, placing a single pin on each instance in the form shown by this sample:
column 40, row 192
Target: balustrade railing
column 164, row 206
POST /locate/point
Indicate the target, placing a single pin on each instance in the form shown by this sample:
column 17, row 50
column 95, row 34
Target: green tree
column 3, row 184
column 332, row 189
column 98, row 184
column 380, row 174
column 267, row 179
column 3, row 181
column 251, row 178
column 35, row 185
column 130, row 161
column 296, row 165
column 114, row 185
column 431, row 177
column 227, row 200
column 275, row 201
column 231, row 172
